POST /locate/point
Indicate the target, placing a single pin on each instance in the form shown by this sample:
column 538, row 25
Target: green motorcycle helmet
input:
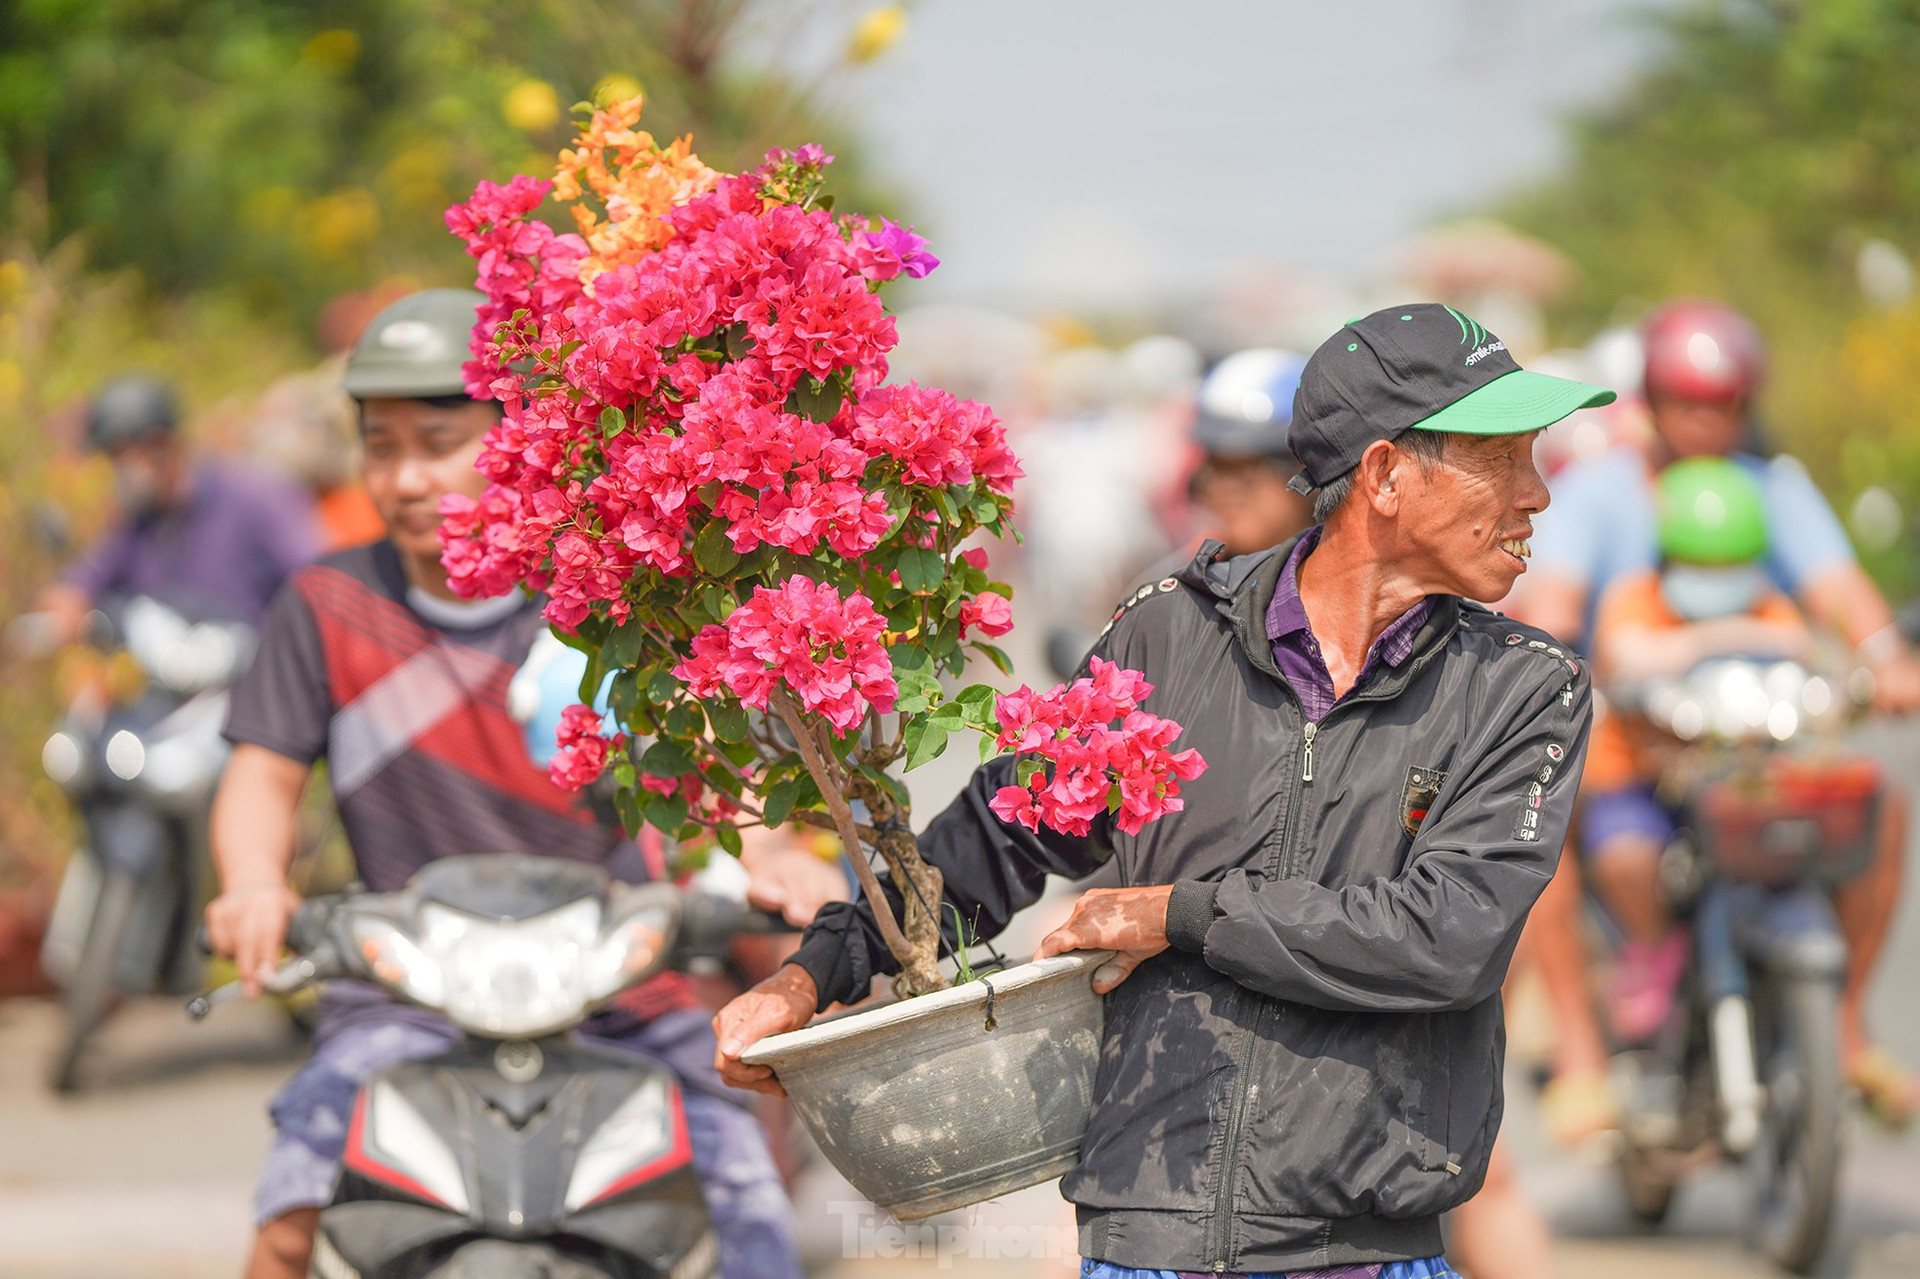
column 414, row 348
column 1712, row 513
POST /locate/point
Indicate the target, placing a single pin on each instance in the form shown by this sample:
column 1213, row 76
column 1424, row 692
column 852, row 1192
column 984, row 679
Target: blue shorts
column 1630, row 811
column 362, row 1034
column 1427, row 1268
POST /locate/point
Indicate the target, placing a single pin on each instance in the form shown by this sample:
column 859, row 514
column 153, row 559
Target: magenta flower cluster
column 701, row 378
column 1088, row 758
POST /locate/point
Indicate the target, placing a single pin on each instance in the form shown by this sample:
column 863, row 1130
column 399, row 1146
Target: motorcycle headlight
column 632, row 946
column 126, row 755
column 396, row 960
column 63, row 759
column 644, row 1138
column 523, row 977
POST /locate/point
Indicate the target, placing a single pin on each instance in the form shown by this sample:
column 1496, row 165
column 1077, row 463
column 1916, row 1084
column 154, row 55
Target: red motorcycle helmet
column 1700, row 350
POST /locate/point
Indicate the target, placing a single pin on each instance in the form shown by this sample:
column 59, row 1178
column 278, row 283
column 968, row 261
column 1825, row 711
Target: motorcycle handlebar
column 709, row 922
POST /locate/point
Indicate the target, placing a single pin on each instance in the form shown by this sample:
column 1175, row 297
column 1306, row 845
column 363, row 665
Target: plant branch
column 824, row 821
column 836, row 799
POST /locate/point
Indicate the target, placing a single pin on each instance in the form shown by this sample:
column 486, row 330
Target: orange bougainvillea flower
column 633, row 180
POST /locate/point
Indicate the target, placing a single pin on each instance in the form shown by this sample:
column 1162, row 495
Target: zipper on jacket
column 1236, row 1117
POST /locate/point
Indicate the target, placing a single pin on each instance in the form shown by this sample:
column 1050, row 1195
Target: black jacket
column 1311, row 1074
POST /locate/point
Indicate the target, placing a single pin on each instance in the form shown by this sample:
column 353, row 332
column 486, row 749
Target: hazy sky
column 1051, row 146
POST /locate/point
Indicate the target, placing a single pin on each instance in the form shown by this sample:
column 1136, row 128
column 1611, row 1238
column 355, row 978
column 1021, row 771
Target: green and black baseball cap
column 1420, row 367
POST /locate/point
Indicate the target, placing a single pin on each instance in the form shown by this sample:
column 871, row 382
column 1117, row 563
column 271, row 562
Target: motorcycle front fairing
column 554, row 1144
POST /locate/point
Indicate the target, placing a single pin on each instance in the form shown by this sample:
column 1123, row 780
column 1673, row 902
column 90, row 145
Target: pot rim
column 851, row 1025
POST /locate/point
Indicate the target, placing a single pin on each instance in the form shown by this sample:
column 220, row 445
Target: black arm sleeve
column 991, row 869
column 282, row 703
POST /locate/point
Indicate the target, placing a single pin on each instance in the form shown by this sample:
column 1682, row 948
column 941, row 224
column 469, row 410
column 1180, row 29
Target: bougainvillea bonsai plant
column 732, row 514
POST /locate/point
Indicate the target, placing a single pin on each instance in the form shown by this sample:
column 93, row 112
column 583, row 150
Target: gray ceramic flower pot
column 942, row 1101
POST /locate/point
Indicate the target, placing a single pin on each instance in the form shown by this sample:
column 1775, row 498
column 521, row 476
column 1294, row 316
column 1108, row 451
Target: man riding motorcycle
column 369, row 660
column 1704, row 363
column 1709, row 598
column 209, row 538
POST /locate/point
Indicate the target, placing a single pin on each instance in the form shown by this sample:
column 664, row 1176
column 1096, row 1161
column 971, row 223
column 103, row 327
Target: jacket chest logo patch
column 1418, row 796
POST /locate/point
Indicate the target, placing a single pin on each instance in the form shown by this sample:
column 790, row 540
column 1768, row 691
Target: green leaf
column 661, row 685
column 729, row 837
column 997, row 656
column 779, row 802
column 622, row 648
column 632, row 816
column 713, row 552
column 623, row 773
column 945, row 503
column 925, row 740
column 950, row 716
column 888, row 783
column 666, row 759
column 908, row 657
column 738, row 340
column 729, row 720
column 918, row 691
column 921, row 570
column 685, row 720
column 986, row 747
column 625, row 695
column 815, row 400
column 986, row 508
column 612, row 422
column 977, row 701
column 667, row 812
column 1029, row 767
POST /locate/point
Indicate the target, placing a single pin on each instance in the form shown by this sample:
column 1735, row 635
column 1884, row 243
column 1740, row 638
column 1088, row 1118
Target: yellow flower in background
column 615, row 88
column 877, row 32
column 635, row 180
column 337, row 49
column 531, row 106
column 342, row 222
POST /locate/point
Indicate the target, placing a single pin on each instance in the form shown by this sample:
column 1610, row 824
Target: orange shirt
column 1616, row 755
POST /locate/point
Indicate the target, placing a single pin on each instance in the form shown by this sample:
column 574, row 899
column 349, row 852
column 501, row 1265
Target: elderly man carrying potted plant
column 1302, row 1046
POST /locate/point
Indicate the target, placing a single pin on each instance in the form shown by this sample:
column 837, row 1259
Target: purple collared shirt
column 1297, row 653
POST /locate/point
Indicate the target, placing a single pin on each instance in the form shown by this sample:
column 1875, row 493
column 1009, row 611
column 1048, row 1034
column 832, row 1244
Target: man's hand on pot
column 1131, row 922
column 783, row 1002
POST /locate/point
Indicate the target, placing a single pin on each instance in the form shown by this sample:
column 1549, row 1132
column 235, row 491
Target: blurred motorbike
column 1771, row 817
column 518, row 1151
column 139, row 752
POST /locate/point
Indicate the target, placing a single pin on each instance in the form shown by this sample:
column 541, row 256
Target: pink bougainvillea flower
column 826, row 649
column 1071, row 730
column 700, row 376
column 893, row 250
column 991, row 612
column 583, row 750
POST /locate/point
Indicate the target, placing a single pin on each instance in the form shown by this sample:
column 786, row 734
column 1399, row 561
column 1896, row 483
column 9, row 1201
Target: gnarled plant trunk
column 917, row 945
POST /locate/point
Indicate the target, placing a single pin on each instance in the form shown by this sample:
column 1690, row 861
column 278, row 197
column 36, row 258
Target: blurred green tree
column 290, row 149
column 1770, row 156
